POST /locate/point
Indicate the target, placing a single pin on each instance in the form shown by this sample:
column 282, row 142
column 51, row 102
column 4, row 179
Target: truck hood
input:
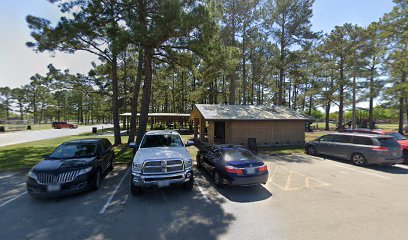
column 161, row 153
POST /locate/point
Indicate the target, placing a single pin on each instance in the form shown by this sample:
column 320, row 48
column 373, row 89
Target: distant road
column 29, row 136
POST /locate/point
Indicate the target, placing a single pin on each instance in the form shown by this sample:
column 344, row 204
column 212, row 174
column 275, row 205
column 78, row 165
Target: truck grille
column 162, row 166
column 48, row 178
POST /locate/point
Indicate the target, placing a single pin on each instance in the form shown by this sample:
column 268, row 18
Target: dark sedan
column 73, row 167
column 232, row 165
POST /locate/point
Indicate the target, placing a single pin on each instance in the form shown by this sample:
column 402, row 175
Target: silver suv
column 161, row 160
column 360, row 148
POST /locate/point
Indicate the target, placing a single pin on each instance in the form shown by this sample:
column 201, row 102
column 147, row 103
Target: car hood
column 403, row 143
column 48, row 165
column 161, row 153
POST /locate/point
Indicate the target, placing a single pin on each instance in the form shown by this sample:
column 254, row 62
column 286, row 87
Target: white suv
column 161, row 160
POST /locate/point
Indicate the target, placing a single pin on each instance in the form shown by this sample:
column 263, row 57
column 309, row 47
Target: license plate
column 250, row 170
column 165, row 183
column 54, row 187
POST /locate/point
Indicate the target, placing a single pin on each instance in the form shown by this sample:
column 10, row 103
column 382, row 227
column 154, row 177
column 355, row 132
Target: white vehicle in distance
column 161, row 160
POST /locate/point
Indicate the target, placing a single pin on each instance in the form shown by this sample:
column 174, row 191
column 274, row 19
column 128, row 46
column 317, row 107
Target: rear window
column 237, row 155
column 342, row 138
column 397, row 136
column 388, row 142
column 362, row 140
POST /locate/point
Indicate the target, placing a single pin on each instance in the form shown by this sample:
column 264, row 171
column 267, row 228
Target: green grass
column 387, row 126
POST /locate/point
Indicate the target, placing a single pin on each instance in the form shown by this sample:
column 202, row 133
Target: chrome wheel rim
column 358, row 159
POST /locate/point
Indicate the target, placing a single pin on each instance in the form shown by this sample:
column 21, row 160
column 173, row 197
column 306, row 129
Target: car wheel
column 136, row 190
column 188, row 186
column 359, row 159
column 311, row 150
column 217, row 179
column 97, row 180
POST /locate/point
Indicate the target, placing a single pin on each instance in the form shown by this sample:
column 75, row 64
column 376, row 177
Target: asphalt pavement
column 11, row 138
column 305, row 198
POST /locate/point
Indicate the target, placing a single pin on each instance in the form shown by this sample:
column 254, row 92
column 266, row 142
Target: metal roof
column 248, row 112
column 160, row 114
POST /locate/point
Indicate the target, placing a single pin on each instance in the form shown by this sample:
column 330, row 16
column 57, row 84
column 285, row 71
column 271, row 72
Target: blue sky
column 18, row 63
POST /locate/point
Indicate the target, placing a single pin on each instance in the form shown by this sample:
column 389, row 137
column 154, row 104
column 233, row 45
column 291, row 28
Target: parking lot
column 306, row 197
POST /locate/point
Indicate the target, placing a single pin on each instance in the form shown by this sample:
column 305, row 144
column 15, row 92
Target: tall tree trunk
column 147, row 87
column 354, row 102
column 115, row 93
column 244, row 82
column 402, row 106
column 327, row 127
column 341, row 95
column 371, row 107
column 135, row 97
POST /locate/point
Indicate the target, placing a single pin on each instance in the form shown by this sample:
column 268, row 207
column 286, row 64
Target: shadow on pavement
column 395, row 169
column 241, row 194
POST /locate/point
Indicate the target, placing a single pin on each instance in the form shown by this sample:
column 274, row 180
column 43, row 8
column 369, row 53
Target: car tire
column 217, row 179
column 135, row 190
column 188, row 186
column 97, row 180
column 359, row 159
column 311, row 150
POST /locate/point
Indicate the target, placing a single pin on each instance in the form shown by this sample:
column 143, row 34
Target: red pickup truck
column 59, row 125
column 403, row 141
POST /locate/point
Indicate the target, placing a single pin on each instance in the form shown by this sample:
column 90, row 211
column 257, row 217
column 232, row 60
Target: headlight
column 32, row 175
column 137, row 167
column 84, row 170
column 188, row 163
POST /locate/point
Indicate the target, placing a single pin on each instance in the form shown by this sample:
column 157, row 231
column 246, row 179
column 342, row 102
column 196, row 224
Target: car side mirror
column 45, row 156
column 133, row 145
column 189, row 143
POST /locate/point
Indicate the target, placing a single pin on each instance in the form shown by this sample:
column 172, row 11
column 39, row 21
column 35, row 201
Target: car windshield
column 397, row 136
column 163, row 140
column 238, row 155
column 74, row 150
column 388, row 142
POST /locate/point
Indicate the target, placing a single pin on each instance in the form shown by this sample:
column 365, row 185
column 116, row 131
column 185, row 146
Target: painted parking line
column 12, row 199
column 114, row 192
column 360, row 171
column 7, row 176
column 202, row 191
column 286, row 179
column 335, row 163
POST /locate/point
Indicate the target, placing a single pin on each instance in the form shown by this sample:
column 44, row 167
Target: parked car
column 403, row 141
column 59, row 125
column 74, row 166
column 232, row 165
column 161, row 160
column 358, row 147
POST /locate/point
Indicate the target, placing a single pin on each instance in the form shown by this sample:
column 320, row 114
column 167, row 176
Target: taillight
column 231, row 169
column 381, row 148
column 264, row 168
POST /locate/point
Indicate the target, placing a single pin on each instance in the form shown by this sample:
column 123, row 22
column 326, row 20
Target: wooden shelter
column 235, row 124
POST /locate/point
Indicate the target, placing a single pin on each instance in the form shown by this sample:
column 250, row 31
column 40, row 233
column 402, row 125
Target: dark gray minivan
column 360, row 148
